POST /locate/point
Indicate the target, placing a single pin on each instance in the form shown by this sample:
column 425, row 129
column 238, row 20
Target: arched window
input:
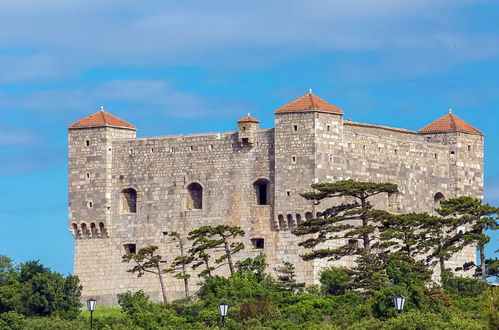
column 318, row 215
column 194, row 196
column 84, row 230
column 298, row 218
column 308, row 216
column 438, row 197
column 102, row 230
column 282, row 224
column 262, row 191
column 289, row 218
column 129, row 200
column 93, row 230
column 74, row 229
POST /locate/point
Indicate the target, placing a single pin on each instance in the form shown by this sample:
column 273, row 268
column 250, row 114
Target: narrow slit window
column 87, row 143
column 295, row 127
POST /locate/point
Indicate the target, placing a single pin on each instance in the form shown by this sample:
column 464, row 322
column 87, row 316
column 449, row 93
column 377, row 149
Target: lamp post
column 222, row 310
column 399, row 301
column 91, row 307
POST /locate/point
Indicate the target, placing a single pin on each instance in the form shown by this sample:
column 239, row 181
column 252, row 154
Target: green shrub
column 336, row 280
column 12, row 321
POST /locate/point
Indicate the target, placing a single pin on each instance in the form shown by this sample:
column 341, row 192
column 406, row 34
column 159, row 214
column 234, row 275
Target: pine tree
column 286, row 278
column 146, row 261
column 341, row 222
column 218, row 237
column 402, row 233
column 179, row 264
column 472, row 212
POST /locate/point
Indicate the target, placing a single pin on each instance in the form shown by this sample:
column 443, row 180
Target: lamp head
column 399, row 301
column 91, row 304
column 222, row 309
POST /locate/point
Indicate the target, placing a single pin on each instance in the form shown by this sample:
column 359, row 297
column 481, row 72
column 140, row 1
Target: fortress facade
column 126, row 193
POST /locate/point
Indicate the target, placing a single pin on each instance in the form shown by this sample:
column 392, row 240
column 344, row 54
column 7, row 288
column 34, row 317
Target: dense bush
column 45, row 300
column 31, row 289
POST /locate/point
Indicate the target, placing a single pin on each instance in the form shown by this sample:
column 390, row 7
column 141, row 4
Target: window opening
column 245, row 142
column 262, row 191
column 438, row 197
column 194, row 196
column 258, row 243
column 295, row 127
column 308, row 216
column 298, row 218
column 130, row 248
column 129, row 200
column 87, row 143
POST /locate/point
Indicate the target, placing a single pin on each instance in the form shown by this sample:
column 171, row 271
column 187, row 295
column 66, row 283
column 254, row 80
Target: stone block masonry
column 126, row 192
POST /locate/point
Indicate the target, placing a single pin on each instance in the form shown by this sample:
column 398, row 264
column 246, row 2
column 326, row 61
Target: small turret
column 247, row 127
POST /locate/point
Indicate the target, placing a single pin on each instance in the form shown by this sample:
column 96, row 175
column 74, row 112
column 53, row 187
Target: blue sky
column 195, row 66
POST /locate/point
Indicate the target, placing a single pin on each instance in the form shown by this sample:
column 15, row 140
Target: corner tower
column 89, row 165
column 465, row 153
column 306, row 130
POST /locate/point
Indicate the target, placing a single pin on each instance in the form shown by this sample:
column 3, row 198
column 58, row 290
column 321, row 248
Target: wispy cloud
column 70, row 37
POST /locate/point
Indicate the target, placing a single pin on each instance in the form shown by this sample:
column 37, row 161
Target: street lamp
column 91, row 307
column 399, row 301
column 222, row 310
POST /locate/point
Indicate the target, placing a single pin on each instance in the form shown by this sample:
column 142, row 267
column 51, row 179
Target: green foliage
column 286, row 278
column 12, row 321
column 336, row 280
column 462, row 286
column 255, row 265
column 490, row 307
column 33, row 290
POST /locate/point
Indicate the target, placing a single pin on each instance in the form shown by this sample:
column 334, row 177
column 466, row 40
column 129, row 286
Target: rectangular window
column 130, row 248
column 328, row 128
column 258, row 243
column 295, row 127
column 245, row 142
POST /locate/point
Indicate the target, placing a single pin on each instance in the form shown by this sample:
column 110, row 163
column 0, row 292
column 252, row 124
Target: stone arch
column 129, row 200
column 282, row 224
column 308, row 216
column 102, row 230
column 84, row 230
column 298, row 218
column 93, row 230
column 438, row 197
column 289, row 219
column 262, row 191
column 75, row 231
column 194, row 196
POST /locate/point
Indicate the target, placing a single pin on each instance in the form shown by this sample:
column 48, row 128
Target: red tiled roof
column 309, row 101
column 101, row 118
column 248, row 119
column 449, row 123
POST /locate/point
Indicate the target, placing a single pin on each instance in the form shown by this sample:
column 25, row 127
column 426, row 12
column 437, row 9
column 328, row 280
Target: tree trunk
column 365, row 236
column 481, row 247
column 184, row 271
column 229, row 257
column 162, row 283
column 207, row 267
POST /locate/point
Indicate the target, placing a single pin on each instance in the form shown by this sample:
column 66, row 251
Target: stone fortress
column 126, row 193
